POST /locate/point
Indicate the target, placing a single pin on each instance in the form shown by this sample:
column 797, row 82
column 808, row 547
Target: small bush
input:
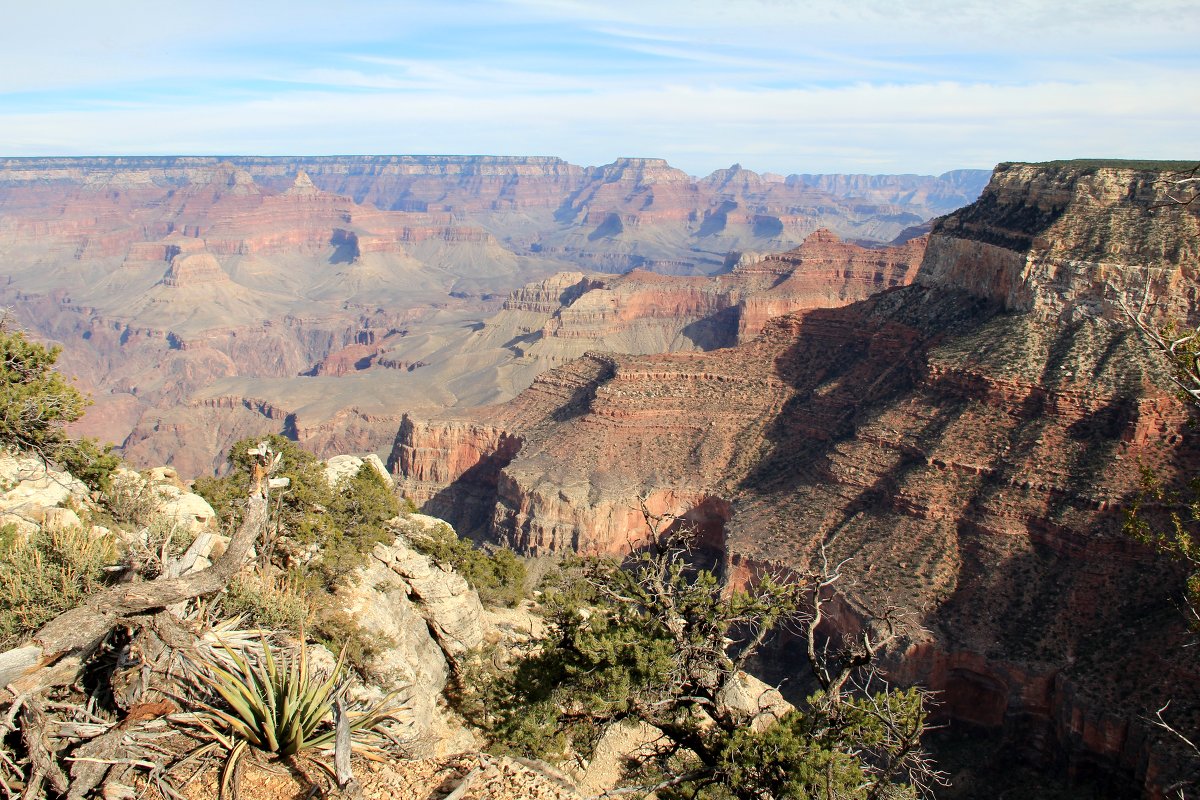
column 45, row 574
column 298, row 602
column 498, row 577
column 340, row 633
column 276, row 704
column 36, row 402
column 130, row 499
column 89, row 461
column 345, row 521
column 361, row 507
column 275, row 603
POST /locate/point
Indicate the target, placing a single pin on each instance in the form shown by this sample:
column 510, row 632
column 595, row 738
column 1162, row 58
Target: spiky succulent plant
column 275, row 703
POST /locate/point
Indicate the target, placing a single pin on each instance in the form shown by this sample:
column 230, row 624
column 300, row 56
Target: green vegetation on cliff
column 1093, row 164
column 498, row 576
column 336, row 525
column 36, row 402
column 659, row 643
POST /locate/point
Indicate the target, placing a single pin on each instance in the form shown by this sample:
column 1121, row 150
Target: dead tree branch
column 55, row 654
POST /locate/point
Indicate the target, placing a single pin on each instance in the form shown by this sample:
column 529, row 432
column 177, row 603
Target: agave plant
column 275, row 704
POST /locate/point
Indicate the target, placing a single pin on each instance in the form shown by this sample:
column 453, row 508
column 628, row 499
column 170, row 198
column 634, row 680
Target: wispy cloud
column 780, row 85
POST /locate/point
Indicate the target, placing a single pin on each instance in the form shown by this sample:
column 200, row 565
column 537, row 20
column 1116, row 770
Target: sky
column 784, row 86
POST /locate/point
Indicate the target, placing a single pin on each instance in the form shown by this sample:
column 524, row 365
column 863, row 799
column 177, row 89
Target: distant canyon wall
column 355, row 288
column 965, row 444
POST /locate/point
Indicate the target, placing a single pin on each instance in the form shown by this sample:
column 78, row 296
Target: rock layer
column 966, row 443
column 167, row 277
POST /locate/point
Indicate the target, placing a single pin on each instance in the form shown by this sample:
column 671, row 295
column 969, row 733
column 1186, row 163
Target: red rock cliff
column 967, row 443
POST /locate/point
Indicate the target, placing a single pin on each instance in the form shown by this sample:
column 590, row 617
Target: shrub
column 89, row 461
column 36, row 402
column 47, row 573
column 360, row 508
column 340, row 633
column 276, row 704
column 276, row 603
column 658, row 640
column 130, row 499
column 345, row 522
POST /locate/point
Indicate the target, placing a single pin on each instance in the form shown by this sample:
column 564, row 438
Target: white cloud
column 781, row 85
column 927, row 127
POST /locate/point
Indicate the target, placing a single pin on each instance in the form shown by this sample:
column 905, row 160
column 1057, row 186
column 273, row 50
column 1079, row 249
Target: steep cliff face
column 643, row 312
column 164, row 276
column 966, row 443
column 1060, row 240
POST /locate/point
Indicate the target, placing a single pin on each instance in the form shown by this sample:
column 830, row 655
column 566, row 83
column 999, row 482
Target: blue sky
column 777, row 85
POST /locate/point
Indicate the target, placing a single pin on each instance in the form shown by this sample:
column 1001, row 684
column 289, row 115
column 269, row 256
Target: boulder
column 164, row 475
column 424, row 619
column 617, row 745
column 450, row 605
column 29, row 486
column 339, row 468
column 173, row 504
column 60, row 519
column 759, row 703
column 185, row 509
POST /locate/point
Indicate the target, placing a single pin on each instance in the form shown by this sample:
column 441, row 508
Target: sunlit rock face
column 190, row 293
column 964, row 444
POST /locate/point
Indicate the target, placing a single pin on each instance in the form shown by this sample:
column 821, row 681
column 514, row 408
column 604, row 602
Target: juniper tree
column 658, row 641
column 37, row 402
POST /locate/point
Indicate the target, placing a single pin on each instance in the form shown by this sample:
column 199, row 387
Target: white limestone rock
column 339, row 468
column 29, row 486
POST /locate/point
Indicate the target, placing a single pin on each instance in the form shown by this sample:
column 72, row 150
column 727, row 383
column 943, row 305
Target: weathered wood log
column 43, row 767
column 54, row 655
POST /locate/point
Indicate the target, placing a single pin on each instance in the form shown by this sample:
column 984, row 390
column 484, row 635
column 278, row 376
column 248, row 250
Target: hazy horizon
column 859, row 86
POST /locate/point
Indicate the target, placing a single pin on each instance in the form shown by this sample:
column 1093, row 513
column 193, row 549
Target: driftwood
column 43, row 767
column 56, row 653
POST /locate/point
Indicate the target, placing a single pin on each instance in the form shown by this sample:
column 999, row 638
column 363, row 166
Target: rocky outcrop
column 966, row 444
column 425, row 619
column 1060, row 241
column 194, row 270
column 30, row 488
column 549, row 296
column 341, row 467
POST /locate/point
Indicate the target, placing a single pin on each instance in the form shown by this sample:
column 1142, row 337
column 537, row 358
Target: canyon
column 199, row 300
column 962, row 441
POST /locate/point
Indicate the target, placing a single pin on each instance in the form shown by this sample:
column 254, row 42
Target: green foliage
column 89, row 461
column 1169, row 519
column 274, row 603
column 360, row 508
column 656, row 641
column 805, row 754
column 1092, row 164
column 47, row 573
column 298, row 603
column 36, row 402
column 498, row 577
column 340, row 633
column 615, row 650
column 345, row 521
